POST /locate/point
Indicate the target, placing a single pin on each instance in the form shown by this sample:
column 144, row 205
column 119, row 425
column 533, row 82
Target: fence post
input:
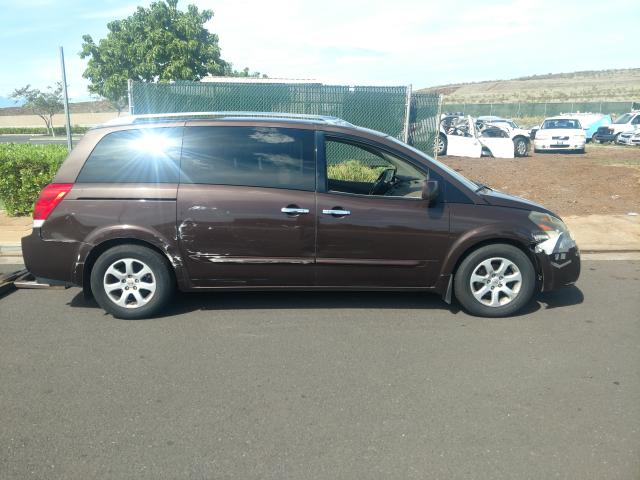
column 130, row 96
column 407, row 114
column 435, row 140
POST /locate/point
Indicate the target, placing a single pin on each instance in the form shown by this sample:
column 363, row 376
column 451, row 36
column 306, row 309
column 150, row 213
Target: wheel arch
column 102, row 247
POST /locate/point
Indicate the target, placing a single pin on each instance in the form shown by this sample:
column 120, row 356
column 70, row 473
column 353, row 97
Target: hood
column 500, row 199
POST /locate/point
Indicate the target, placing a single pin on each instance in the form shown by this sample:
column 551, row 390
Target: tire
column 581, row 151
column 485, row 264
column 134, row 267
column 520, row 147
column 441, row 145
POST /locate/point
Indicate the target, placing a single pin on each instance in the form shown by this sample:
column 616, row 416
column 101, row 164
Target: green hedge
column 41, row 130
column 24, row 170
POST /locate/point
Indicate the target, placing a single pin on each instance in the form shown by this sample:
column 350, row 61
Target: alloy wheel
column 496, row 282
column 129, row 283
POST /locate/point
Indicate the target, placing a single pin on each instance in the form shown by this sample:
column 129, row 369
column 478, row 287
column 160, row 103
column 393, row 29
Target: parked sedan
column 560, row 133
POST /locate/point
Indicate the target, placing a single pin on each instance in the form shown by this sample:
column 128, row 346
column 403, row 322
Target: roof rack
column 185, row 116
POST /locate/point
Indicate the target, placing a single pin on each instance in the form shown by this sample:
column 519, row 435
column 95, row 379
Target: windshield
column 461, row 178
column 560, row 123
column 624, row 118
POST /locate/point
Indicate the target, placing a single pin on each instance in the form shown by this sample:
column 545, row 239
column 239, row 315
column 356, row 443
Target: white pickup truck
column 624, row 123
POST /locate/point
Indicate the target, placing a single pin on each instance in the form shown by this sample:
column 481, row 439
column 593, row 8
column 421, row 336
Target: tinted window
column 249, row 156
column 149, row 155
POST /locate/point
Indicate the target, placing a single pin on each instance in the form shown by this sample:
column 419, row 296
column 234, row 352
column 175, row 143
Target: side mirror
column 430, row 191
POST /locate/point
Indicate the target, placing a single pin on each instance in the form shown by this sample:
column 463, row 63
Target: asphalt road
column 324, row 386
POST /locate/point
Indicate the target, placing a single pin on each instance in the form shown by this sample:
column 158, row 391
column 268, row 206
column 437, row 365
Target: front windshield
column 624, row 118
column 560, row 123
column 458, row 176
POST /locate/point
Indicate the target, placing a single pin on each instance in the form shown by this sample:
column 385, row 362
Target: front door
column 246, row 206
column 374, row 229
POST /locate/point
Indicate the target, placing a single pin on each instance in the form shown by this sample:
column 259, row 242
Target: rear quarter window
column 249, row 156
column 149, row 155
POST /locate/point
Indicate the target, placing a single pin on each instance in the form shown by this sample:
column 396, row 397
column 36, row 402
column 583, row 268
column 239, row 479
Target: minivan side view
column 148, row 204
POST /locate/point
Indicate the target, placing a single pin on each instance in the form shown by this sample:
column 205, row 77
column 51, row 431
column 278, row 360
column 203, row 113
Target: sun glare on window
column 153, row 143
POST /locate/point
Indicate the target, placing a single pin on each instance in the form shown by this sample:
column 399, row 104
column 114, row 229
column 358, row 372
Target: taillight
column 49, row 199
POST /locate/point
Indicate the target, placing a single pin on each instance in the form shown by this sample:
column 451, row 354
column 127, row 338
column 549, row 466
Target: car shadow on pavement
column 183, row 303
column 188, row 302
column 563, row 297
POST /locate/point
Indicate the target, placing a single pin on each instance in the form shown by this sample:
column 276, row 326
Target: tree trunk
column 53, row 132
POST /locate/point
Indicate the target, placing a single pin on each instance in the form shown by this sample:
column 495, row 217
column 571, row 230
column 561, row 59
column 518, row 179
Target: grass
column 353, row 171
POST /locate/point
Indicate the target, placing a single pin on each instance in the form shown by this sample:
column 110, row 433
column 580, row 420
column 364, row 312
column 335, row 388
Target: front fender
column 490, row 233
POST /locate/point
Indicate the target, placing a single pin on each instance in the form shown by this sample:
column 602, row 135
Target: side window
column 636, row 121
column 249, row 156
column 361, row 169
column 146, row 155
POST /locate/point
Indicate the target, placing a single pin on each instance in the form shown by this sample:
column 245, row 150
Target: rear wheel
column 495, row 281
column 131, row 282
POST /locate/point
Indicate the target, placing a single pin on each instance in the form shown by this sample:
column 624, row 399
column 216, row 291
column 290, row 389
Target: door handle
column 294, row 210
column 336, row 211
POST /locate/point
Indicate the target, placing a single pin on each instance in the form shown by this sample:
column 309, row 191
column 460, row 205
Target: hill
column 585, row 86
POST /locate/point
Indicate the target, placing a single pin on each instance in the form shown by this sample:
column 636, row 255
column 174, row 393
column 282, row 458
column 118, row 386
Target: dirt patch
column 605, row 180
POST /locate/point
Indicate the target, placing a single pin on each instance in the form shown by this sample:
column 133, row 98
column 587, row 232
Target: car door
column 387, row 237
column 246, row 206
column 462, row 141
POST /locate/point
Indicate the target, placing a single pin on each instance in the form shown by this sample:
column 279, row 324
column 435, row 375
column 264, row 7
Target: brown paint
column 234, row 237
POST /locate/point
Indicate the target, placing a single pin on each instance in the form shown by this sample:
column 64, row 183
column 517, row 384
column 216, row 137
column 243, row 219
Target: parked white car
column 560, row 133
column 629, row 138
column 624, row 123
column 460, row 136
column 519, row 136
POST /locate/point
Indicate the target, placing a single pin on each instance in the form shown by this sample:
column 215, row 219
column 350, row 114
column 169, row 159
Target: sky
column 401, row 42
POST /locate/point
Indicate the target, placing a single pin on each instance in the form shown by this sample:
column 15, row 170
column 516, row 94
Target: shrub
column 24, row 170
column 354, row 171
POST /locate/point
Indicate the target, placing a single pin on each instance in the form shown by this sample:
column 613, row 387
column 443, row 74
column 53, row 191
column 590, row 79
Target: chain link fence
column 392, row 110
column 537, row 111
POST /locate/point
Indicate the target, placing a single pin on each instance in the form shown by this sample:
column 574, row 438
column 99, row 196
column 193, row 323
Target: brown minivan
column 254, row 201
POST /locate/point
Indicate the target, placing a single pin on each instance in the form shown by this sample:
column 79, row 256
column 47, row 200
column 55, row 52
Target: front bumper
column 559, row 269
column 604, row 137
column 553, row 145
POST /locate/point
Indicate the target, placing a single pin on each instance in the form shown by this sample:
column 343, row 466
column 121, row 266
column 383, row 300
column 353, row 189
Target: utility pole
column 66, row 101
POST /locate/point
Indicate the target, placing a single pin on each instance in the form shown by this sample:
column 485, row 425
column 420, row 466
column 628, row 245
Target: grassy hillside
column 602, row 85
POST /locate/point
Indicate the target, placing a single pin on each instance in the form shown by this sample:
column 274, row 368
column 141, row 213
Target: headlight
column 553, row 235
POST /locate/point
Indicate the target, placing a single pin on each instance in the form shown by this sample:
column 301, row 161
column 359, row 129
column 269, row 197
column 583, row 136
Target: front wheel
column 131, row 282
column 495, row 281
column 520, row 147
column 441, row 145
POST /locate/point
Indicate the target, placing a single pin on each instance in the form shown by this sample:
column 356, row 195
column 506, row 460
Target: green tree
column 44, row 104
column 155, row 44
